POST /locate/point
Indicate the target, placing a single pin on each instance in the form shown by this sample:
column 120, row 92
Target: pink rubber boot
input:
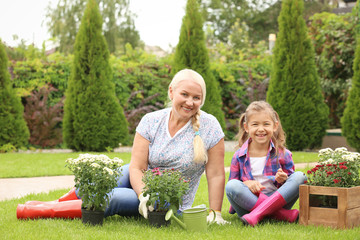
column 268, row 206
column 282, row 214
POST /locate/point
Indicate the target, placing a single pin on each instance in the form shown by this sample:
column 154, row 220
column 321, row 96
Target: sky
column 158, row 21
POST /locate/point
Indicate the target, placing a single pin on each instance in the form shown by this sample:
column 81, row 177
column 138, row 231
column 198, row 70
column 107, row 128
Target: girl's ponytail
column 242, row 135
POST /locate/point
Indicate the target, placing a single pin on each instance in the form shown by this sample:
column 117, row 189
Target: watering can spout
column 170, row 214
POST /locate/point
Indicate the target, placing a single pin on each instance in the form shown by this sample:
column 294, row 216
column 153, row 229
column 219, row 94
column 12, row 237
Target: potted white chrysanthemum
column 95, row 177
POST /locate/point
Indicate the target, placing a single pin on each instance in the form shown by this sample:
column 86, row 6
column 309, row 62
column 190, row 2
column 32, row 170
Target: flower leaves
column 336, row 168
column 165, row 187
column 95, row 177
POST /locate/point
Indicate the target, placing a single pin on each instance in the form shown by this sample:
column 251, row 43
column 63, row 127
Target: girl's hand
column 254, row 186
column 280, row 176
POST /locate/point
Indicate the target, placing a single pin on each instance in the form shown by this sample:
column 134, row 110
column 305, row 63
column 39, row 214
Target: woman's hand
column 143, row 209
column 218, row 218
column 280, row 176
column 254, row 186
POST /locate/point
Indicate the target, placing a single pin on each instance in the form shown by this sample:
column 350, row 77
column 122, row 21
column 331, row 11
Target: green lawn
column 117, row 227
column 42, row 164
column 53, row 164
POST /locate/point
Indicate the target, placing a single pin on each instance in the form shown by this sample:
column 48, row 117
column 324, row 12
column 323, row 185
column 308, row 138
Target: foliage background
column 241, row 66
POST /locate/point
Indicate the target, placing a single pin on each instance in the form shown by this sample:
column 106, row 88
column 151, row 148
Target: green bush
column 351, row 119
column 44, row 121
column 93, row 117
column 294, row 88
column 141, row 82
column 333, row 37
column 7, row 148
column 243, row 76
column 191, row 52
column 13, row 128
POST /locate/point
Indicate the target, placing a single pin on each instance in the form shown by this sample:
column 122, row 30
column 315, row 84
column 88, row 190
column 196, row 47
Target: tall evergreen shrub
column 351, row 118
column 191, row 52
column 13, row 128
column 93, row 117
column 294, row 89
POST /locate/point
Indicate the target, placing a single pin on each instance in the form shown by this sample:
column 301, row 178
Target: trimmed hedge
column 13, row 128
column 93, row 117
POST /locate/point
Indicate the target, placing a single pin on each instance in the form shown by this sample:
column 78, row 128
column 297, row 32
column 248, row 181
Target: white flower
column 329, row 161
column 111, row 172
column 341, row 149
column 95, row 165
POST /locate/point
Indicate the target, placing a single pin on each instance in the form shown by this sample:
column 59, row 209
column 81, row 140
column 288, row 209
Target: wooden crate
column 346, row 215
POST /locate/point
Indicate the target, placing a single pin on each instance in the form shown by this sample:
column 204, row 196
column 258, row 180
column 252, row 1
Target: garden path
column 11, row 188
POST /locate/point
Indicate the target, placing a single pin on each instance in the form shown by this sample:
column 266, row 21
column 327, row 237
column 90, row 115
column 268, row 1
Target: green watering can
column 194, row 218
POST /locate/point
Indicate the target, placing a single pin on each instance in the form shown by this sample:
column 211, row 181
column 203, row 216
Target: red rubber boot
column 67, row 209
column 270, row 205
column 71, row 195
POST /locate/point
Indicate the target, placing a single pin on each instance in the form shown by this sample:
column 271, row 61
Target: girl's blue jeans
column 243, row 200
column 124, row 200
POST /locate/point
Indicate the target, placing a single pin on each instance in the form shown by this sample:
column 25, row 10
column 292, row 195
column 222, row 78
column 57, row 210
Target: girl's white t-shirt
column 257, row 168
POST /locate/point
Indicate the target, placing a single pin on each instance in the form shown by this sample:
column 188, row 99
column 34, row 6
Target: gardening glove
column 218, row 218
column 143, row 209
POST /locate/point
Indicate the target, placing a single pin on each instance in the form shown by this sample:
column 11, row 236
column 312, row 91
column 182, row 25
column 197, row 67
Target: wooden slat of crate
column 347, row 214
column 304, row 204
column 330, row 191
column 323, row 216
column 353, row 198
column 353, row 217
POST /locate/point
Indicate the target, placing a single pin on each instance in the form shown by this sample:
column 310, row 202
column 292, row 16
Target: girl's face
column 186, row 99
column 261, row 127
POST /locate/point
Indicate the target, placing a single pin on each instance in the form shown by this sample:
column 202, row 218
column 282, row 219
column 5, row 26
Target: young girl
column 262, row 179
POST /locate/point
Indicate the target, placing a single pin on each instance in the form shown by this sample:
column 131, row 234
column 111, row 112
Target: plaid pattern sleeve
column 282, row 160
column 234, row 168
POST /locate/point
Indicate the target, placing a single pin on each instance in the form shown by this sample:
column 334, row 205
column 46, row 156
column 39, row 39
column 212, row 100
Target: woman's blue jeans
column 243, row 200
column 123, row 199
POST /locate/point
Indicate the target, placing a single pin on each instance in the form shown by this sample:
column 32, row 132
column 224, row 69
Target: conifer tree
column 351, row 119
column 93, row 117
column 13, row 128
column 191, row 52
column 294, row 89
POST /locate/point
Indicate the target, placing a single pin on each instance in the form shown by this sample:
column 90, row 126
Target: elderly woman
column 181, row 137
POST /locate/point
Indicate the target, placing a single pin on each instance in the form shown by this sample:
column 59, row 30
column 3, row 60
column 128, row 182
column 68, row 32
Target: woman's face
column 186, row 99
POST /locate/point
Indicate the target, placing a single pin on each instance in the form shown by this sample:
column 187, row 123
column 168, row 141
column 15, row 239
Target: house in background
column 344, row 6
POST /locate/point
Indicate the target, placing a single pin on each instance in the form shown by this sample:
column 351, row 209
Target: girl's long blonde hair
column 278, row 137
column 200, row 154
